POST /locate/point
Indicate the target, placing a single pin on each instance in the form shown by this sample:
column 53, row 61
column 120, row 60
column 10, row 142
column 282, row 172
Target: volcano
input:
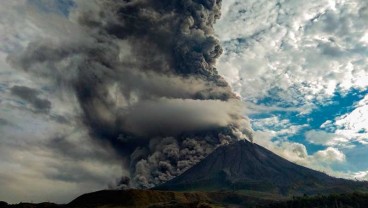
column 247, row 166
column 241, row 174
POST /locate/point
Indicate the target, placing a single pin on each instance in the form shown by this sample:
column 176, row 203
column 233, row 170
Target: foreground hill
column 247, row 166
column 155, row 199
column 335, row 201
column 161, row 199
column 138, row 198
column 237, row 175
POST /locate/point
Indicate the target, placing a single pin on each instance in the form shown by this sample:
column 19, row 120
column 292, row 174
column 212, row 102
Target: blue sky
column 300, row 68
column 339, row 105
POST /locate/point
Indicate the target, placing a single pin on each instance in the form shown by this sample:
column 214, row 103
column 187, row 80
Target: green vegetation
column 353, row 200
column 246, row 199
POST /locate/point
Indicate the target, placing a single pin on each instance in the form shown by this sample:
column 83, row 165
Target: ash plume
column 144, row 75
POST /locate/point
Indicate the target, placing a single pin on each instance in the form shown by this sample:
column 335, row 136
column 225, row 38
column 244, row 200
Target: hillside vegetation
column 169, row 199
column 353, row 200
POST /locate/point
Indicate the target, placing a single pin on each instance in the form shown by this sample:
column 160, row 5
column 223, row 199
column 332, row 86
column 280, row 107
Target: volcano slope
column 244, row 166
column 240, row 174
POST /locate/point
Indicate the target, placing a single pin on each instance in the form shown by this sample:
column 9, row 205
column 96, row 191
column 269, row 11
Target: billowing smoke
column 144, row 77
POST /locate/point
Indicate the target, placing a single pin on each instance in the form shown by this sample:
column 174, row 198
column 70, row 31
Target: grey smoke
column 4, row 122
column 169, row 158
column 175, row 116
column 31, row 96
column 145, row 79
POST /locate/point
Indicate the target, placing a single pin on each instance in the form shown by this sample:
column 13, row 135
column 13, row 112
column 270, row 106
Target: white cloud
column 272, row 133
column 283, row 126
column 298, row 52
column 353, row 126
column 322, row 160
column 361, row 175
column 329, row 155
column 327, row 139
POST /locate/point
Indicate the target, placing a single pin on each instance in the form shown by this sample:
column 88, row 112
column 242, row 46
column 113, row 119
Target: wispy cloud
column 297, row 53
column 289, row 59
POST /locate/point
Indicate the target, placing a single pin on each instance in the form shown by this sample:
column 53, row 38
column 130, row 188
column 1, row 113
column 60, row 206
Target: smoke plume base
column 144, row 76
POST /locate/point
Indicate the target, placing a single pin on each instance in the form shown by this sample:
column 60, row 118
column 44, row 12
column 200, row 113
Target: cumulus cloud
column 361, row 175
column 273, row 134
column 329, row 155
column 353, row 125
column 288, row 59
column 297, row 53
column 326, row 138
column 275, row 127
column 322, row 160
column 346, row 130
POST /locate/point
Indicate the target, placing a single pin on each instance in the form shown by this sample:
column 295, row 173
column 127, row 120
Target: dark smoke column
column 145, row 80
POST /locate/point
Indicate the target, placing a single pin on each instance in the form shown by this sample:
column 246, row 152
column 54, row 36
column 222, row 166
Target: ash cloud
column 31, row 96
column 4, row 122
column 144, row 75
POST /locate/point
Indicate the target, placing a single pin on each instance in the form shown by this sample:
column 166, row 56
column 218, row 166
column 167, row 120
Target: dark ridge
column 334, row 200
column 138, row 198
column 3, row 204
column 30, row 205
